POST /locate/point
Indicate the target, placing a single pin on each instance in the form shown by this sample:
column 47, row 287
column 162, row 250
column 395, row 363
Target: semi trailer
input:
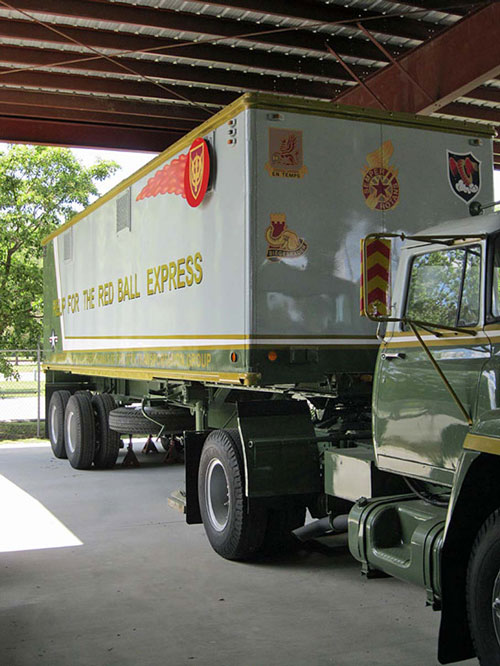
column 215, row 295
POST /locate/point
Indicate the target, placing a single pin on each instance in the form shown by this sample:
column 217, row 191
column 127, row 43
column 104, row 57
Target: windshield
column 444, row 287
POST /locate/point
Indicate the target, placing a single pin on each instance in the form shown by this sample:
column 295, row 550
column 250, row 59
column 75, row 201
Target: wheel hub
column 70, row 428
column 53, row 423
column 217, row 495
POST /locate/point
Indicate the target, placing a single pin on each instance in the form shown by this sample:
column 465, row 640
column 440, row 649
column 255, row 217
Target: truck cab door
column 418, row 428
column 488, row 415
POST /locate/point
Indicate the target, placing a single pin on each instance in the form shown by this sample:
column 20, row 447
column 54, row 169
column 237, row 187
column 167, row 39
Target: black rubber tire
column 280, row 524
column 107, row 442
column 55, row 422
column 79, row 431
column 483, row 569
column 131, row 421
column 234, row 533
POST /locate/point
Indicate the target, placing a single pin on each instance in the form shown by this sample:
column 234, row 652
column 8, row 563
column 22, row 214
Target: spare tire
column 131, row 420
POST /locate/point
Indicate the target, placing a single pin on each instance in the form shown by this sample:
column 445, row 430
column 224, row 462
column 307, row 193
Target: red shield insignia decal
column 464, row 175
column 197, row 172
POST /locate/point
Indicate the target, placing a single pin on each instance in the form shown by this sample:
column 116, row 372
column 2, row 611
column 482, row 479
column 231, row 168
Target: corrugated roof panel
column 407, row 26
column 399, row 9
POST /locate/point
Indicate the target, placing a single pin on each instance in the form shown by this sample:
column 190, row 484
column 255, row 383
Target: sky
column 129, row 162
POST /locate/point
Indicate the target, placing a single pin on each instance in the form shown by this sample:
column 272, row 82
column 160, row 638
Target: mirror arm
column 429, row 326
column 431, row 358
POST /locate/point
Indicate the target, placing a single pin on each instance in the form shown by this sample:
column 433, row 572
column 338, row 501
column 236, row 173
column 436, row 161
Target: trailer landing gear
column 130, row 459
column 174, row 449
column 149, row 446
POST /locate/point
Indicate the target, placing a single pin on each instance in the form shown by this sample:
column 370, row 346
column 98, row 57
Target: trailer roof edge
column 292, row 105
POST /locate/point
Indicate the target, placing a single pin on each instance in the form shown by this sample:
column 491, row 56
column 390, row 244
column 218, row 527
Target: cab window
column 495, row 291
column 444, row 287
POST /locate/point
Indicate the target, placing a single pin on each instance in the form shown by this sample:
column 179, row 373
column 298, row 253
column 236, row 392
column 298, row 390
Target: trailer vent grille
column 68, row 245
column 123, row 212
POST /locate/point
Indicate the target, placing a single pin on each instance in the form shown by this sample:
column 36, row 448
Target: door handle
column 391, row 357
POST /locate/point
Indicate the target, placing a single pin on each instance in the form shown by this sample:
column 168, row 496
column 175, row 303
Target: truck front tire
column 79, row 431
column 483, row 592
column 234, row 532
column 57, row 406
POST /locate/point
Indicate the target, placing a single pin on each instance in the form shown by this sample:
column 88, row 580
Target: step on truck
column 214, row 296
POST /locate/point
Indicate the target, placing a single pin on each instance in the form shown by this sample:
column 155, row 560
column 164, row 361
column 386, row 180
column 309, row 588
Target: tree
column 40, row 188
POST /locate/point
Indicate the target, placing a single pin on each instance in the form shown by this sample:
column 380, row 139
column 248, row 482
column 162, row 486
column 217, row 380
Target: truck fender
column 475, row 496
column 193, row 445
column 279, row 451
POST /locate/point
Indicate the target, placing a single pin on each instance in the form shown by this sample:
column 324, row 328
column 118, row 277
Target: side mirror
column 375, row 277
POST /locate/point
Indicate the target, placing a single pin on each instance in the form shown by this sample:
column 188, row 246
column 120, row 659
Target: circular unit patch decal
column 197, row 172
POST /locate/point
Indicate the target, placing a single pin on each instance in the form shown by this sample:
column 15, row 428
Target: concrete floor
column 145, row 589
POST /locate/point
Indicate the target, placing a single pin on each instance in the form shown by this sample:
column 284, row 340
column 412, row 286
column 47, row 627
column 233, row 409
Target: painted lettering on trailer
column 170, row 276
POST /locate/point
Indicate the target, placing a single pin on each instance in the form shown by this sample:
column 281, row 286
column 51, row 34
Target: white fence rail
column 22, row 394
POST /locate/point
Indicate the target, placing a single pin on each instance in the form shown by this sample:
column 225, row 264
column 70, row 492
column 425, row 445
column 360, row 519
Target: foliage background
column 40, row 189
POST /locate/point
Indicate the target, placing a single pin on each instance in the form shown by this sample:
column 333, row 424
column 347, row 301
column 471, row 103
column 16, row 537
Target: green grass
column 20, row 389
column 24, row 440
column 16, row 430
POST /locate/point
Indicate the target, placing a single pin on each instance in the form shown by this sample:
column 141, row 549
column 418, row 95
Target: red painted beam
column 485, row 94
column 87, row 117
column 105, row 106
column 88, row 135
column 486, row 113
column 446, row 67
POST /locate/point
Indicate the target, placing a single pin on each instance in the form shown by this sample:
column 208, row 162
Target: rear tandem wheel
column 79, row 431
column 55, row 422
column 107, row 441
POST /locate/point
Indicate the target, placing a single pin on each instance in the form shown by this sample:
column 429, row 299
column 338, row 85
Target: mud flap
column 193, row 445
column 279, row 448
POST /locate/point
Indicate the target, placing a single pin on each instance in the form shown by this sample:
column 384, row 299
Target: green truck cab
column 436, row 424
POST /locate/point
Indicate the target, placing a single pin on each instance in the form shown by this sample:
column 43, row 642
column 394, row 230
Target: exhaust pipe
column 322, row 527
